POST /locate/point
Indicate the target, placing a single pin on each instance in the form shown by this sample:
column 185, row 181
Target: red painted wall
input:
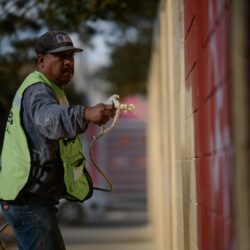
column 207, row 74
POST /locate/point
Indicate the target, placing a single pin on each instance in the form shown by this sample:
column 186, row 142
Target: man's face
column 58, row 67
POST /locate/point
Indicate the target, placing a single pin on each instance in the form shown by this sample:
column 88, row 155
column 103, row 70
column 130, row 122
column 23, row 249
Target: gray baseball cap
column 55, row 42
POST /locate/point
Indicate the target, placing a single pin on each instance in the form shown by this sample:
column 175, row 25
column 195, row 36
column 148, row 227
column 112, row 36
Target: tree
column 21, row 21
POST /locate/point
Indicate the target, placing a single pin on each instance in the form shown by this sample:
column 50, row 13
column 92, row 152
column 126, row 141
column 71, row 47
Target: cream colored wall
column 171, row 174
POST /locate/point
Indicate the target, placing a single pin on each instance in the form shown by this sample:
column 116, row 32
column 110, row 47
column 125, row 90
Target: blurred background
column 117, row 39
column 179, row 163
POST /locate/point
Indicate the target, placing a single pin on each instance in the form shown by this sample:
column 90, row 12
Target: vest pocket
column 76, row 180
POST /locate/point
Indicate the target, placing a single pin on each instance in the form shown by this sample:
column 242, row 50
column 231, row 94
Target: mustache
column 68, row 69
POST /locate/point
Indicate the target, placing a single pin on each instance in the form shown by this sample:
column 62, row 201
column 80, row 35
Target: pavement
column 114, row 236
column 113, row 246
column 119, row 231
column 132, row 238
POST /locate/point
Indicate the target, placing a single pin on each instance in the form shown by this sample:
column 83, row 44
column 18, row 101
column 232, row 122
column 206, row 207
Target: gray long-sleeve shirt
column 45, row 122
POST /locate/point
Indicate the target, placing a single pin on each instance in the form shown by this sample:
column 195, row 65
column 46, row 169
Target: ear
column 41, row 61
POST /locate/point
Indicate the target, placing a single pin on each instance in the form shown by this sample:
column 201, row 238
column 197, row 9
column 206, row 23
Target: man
column 42, row 158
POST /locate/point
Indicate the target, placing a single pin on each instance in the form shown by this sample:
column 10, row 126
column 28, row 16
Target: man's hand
column 99, row 114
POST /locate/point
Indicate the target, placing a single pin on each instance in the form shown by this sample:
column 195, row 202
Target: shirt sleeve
column 53, row 120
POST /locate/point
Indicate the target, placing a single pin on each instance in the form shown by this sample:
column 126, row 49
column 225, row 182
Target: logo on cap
column 63, row 39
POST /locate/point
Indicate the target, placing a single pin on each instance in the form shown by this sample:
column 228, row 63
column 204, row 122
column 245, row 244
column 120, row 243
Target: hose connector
column 127, row 107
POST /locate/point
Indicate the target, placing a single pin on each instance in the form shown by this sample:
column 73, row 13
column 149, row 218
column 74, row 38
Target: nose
column 69, row 62
column 69, row 59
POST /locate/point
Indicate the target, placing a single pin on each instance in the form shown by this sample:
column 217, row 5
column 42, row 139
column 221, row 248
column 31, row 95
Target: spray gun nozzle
column 127, row 107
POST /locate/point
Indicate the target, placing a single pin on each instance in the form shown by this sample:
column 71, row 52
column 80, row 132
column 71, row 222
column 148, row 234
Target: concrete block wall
column 168, row 172
column 196, row 193
column 207, row 74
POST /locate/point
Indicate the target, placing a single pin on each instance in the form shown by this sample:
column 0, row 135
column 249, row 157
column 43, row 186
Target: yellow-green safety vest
column 16, row 160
